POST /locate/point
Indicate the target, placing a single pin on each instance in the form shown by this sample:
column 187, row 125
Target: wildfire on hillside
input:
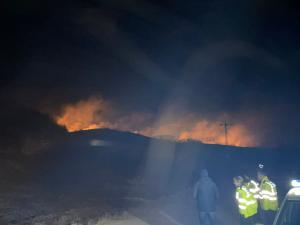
column 95, row 113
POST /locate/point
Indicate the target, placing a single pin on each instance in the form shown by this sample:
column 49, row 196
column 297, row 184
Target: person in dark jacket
column 206, row 194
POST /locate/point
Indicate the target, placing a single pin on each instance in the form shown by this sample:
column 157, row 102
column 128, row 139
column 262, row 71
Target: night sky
column 205, row 57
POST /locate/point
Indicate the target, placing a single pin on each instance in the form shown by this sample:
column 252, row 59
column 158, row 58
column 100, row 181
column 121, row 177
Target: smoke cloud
column 145, row 56
column 95, row 113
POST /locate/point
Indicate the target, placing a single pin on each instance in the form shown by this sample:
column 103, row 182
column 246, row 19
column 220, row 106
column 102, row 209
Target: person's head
column 238, row 181
column 204, row 173
column 260, row 175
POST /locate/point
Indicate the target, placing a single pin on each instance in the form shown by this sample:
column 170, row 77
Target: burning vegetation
column 213, row 133
column 84, row 115
column 95, row 113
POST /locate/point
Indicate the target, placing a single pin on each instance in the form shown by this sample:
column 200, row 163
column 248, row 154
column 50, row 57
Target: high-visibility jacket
column 268, row 195
column 247, row 204
column 254, row 189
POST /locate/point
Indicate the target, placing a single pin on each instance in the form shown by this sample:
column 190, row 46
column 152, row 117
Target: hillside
column 116, row 172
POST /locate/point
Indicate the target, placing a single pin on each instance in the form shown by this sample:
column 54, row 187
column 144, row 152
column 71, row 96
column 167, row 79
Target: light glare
column 295, row 183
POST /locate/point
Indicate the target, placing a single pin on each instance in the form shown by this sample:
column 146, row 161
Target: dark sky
column 211, row 57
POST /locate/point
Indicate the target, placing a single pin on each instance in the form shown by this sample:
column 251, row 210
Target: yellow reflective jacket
column 247, row 204
column 268, row 195
column 253, row 189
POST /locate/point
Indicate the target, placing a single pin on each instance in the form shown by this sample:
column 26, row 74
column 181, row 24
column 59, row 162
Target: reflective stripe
column 265, row 192
column 269, row 198
column 258, row 196
column 237, row 195
column 241, row 200
column 242, row 207
column 251, row 202
column 256, row 187
column 253, row 190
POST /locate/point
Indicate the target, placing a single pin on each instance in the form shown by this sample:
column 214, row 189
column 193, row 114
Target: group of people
column 256, row 201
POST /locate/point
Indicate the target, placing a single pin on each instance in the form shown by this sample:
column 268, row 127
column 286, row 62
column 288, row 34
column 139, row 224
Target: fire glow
column 205, row 131
column 84, row 115
column 212, row 133
column 95, row 113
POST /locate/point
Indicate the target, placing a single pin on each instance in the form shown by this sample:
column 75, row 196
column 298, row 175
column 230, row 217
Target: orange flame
column 212, row 133
column 96, row 113
column 205, row 131
column 84, row 115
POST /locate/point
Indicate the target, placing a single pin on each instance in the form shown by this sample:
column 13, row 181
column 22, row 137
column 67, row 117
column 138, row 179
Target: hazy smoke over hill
column 95, row 112
column 141, row 54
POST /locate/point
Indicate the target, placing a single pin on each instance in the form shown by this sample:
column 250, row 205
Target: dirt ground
column 31, row 205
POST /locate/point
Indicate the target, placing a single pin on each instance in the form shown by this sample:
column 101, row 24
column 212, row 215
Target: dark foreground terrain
column 109, row 177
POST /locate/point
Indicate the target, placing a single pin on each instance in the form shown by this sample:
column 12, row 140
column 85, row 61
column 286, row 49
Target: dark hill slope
column 88, row 158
